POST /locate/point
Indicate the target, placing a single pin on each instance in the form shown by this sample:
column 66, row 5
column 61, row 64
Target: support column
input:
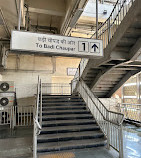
column 19, row 17
column 96, row 19
column 138, row 89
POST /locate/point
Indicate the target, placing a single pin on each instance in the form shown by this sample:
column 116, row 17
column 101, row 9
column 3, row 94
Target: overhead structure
column 36, row 43
column 121, row 37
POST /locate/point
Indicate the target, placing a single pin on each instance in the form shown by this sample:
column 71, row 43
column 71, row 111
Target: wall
column 24, row 71
column 111, row 103
column 62, row 63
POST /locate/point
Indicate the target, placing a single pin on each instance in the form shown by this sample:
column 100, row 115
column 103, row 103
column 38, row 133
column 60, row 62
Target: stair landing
column 67, row 125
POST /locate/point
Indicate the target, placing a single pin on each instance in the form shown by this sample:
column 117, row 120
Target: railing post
column 121, row 155
column 71, row 87
column 79, row 71
column 40, row 103
column 96, row 19
column 12, row 117
column 108, row 130
column 109, row 30
column 35, row 140
column 19, row 16
column 61, row 89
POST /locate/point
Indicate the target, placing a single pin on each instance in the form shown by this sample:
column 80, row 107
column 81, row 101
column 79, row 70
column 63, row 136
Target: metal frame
column 56, row 88
column 110, row 122
column 107, row 30
column 131, row 111
column 19, row 16
column 37, row 120
column 23, row 115
column 9, row 113
column 5, row 24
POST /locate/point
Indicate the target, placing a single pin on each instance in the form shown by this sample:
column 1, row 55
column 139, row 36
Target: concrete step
column 60, row 112
column 64, row 103
column 69, row 136
column 63, row 107
column 60, row 96
column 68, row 122
column 66, row 129
column 69, row 145
column 62, row 99
column 67, row 117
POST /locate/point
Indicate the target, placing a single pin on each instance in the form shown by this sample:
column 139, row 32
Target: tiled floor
column 21, row 139
column 17, row 143
column 87, row 153
column 132, row 141
column 132, row 147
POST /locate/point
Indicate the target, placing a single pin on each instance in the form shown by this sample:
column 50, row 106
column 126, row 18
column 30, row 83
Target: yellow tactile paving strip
column 59, row 155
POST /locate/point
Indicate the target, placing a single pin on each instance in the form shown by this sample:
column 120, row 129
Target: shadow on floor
column 18, row 144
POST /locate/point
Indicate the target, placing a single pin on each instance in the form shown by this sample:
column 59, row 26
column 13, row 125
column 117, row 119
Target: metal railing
column 23, row 115
column 37, row 120
column 107, row 30
column 6, row 116
column 81, row 68
column 7, row 112
column 56, row 88
column 110, row 122
column 131, row 111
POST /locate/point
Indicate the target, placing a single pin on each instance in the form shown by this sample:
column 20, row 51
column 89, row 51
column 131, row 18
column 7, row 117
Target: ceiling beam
column 99, row 77
column 45, row 11
column 135, row 50
column 121, row 82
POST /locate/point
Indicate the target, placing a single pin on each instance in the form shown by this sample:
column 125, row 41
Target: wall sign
column 55, row 45
column 71, row 71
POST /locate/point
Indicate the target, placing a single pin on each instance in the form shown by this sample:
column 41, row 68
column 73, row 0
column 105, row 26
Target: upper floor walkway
column 121, row 36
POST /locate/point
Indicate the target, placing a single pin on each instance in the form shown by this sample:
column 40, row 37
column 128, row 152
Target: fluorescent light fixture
column 130, row 97
column 75, row 18
column 130, row 84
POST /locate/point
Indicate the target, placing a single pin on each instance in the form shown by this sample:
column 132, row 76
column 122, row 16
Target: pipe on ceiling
column 5, row 24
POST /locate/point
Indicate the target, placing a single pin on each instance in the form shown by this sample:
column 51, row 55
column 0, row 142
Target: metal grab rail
column 107, row 30
column 6, row 116
column 109, row 27
column 23, row 115
column 131, row 111
column 110, row 122
column 37, row 120
column 56, row 88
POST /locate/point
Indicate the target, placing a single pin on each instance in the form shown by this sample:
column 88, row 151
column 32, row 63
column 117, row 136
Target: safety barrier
column 107, row 30
column 131, row 111
column 23, row 115
column 56, row 88
column 6, row 115
column 37, row 117
column 110, row 122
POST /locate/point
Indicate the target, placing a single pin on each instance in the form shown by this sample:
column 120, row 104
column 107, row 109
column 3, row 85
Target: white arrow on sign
column 56, row 45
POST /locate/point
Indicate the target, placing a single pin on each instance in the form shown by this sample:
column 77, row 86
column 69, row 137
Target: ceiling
column 66, row 17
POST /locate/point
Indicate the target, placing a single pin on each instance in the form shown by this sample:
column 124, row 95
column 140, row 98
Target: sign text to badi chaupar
column 55, row 45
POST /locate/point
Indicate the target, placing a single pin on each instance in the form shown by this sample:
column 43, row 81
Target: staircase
column 121, row 36
column 67, row 124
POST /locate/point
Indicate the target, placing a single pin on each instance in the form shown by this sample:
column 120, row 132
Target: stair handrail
column 36, row 119
column 108, row 28
column 119, row 122
column 110, row 122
